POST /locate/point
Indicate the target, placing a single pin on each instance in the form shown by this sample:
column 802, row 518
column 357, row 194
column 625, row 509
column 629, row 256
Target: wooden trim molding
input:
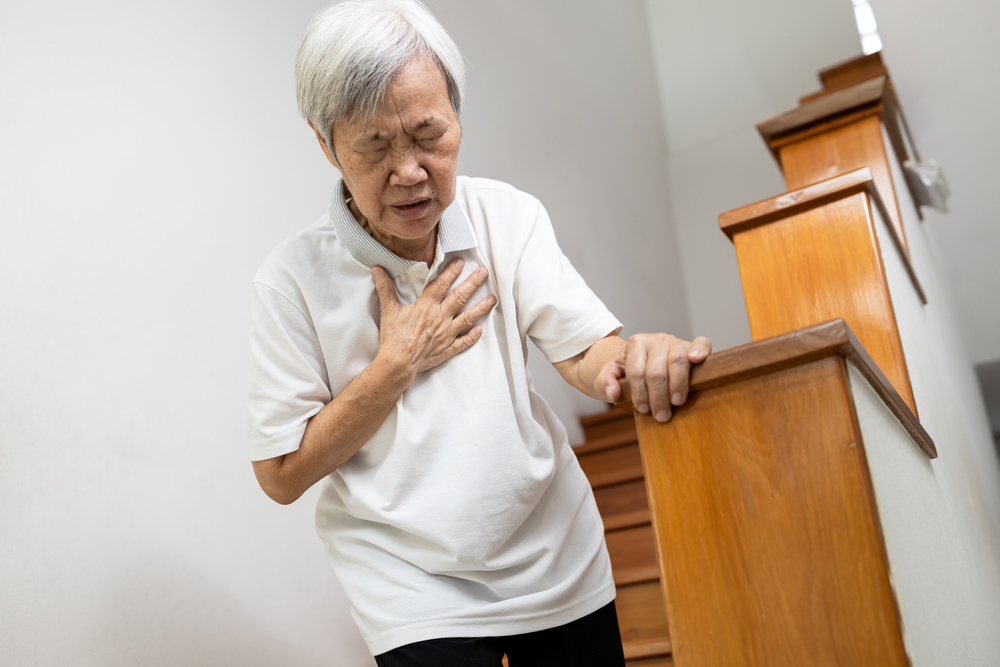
column 848, row 73
column 814, row 115
column 796, row 201
column 796, row 348
column 865, row 93
column 852, row 91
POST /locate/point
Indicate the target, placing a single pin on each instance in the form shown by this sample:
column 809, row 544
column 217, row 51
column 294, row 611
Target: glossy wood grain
column 821, row 264
column 841, row 150
column 760, row 496
column 811, row 196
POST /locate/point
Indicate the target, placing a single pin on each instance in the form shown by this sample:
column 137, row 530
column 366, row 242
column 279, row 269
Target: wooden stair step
column 609, row 477
column 610, row 415
column 611, row 460
column 641, row 613
column 612, row 466
column 622, row 499
column 659, row 661
column 612, row 421
column 626, row 520
column 647, row 648
column 609, row 441
column 633, row 551
column 636, row 575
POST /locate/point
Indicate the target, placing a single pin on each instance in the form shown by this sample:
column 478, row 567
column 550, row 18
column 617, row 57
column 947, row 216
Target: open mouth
column 412, row 210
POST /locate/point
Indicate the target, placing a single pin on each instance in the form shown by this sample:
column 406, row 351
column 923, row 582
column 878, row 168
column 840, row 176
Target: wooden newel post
column 763, row 510
column 819, row 253
column 853, row 122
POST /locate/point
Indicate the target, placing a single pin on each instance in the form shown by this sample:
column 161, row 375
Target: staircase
column 610, row 458
column 794, row 510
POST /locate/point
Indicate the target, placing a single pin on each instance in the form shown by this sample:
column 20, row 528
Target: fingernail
column 643, row 408
column 376, row 271
column 662, row 416
column 459, row 263
column 697, row 354
column 676, row 399
column 490, row 300
column 482, row 273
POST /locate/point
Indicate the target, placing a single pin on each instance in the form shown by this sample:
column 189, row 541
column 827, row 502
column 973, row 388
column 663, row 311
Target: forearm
column 336, row 432
column 582, row 370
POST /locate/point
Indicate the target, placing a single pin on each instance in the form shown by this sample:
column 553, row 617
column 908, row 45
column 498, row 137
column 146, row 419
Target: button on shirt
column 466, row 513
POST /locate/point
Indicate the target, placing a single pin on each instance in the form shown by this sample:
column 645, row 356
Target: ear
column 326, row 148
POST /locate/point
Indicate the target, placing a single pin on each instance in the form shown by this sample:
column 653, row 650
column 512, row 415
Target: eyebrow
column 379, row 136
column 427, row 122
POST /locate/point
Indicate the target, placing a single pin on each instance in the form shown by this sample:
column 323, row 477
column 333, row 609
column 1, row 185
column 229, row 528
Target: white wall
column 721, row 66
column 941, row 549
column 943, row 60
column 941, row 518
column 151, row 157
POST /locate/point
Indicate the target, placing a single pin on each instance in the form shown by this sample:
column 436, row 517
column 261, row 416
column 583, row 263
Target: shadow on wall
column 164, row 613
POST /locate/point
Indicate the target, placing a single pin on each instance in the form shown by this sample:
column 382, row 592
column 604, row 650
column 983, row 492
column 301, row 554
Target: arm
column 412, row 338
column 657, row 367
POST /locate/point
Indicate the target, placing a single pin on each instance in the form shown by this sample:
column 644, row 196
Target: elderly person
column 388, row 358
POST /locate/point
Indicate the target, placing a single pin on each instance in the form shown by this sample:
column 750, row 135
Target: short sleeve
column 288, row 379
column 555, row 306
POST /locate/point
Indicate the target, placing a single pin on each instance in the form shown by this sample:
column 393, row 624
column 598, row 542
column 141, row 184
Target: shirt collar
column 454, row 233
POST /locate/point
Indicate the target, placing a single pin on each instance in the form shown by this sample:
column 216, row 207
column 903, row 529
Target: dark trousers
column 592, row 641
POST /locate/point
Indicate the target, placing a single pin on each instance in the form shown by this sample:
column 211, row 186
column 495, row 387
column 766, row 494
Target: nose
column 408, row 171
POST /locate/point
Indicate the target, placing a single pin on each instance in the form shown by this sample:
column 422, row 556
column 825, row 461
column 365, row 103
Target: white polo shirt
column 466, row 513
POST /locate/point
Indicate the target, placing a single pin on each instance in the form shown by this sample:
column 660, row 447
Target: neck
column 415, row 250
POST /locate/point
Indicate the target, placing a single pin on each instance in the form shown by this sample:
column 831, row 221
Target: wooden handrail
column 792, row 349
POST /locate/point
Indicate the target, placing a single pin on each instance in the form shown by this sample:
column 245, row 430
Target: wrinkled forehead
column 416, row 98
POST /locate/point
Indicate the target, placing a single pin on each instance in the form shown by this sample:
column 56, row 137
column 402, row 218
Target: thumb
column 608, row 381
column 385, row 289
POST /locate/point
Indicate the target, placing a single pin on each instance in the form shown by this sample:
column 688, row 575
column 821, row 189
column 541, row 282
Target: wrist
column 392, row 372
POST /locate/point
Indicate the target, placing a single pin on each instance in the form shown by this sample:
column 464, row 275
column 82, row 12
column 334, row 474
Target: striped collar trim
column 454, row 233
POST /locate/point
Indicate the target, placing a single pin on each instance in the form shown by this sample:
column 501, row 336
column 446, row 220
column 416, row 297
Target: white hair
column 352, row 51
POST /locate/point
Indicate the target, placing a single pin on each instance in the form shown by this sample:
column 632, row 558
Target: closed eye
column 434, row 138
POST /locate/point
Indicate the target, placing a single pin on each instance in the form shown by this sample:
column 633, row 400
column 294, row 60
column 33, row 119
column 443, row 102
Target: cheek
column 444, row 165
column 366, row 188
